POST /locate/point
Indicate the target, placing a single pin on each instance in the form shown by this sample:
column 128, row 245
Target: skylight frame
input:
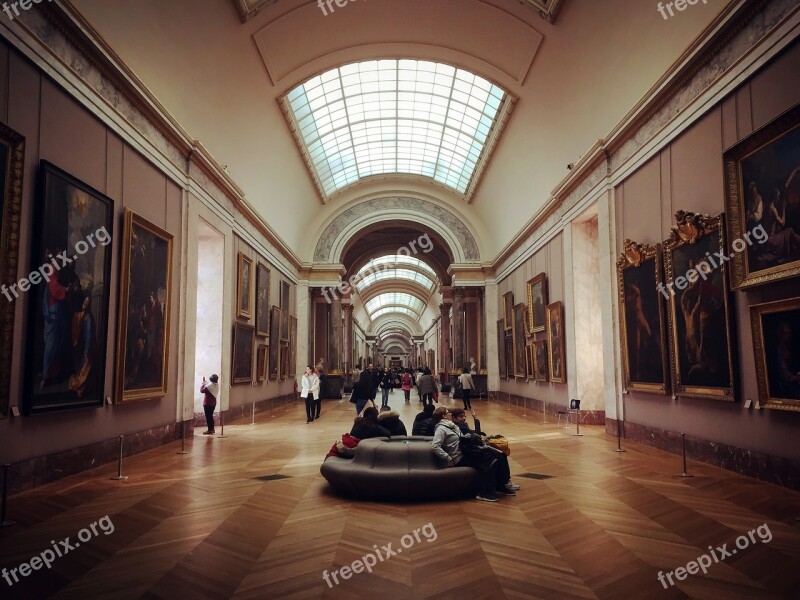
column 373, row 118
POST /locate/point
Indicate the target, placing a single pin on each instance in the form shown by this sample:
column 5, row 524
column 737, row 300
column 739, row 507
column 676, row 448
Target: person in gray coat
column 426, row 387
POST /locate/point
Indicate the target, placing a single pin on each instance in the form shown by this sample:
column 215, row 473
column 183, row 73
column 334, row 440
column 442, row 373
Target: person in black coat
column 423, row 422
column 368, row 426
column 390, row 419
column 362, row 391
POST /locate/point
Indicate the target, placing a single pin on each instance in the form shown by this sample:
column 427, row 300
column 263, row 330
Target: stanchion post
column 3, row 522
column 183, row 438
column 577, row 424
column 524, row 406
column 683, row 446
column 222, row 423
column 544, row 412
column 619, row 437
column 254, row 414
column 120, row 476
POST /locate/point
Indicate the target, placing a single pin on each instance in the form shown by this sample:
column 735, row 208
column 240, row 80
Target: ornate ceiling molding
column 547, row 9
column 248, row 9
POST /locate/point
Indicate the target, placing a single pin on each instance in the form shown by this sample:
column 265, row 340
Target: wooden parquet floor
column 203, row 525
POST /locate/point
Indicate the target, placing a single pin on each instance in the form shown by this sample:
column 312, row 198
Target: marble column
column 304, row 330
column 335, row 339
column 444, row 339
column 492, row 311
column 347, row 360
column 458, row 328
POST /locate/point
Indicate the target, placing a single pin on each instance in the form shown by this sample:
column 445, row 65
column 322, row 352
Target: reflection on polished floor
column 204, row 525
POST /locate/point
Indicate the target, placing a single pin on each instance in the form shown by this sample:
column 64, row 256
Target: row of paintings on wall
column 274, row 358
column 693, row 352
column 540, row 360
column 69, row 289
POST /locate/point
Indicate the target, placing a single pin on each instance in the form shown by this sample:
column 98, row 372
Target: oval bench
column 397, row 468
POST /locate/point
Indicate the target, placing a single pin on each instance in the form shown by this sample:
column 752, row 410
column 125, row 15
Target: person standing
column 210, row 393
column 406, row 383
column 310, row 391
column 362, row 390
column 465, row 380
column 426, row 386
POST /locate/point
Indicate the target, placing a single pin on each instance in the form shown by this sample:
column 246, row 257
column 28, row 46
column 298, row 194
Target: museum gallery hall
column 402, row 299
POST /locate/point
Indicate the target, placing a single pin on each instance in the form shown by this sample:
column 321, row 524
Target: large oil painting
column 68, row 294
column 244, row 286
column 508, row 310
column 776, row 342
column 537, row 302
column 274, row 342
column 556, row 360
column 144, row 308
column 242, row 363
column 501, row 347
column 262, row 299
column 701, row 339
column 12, row 151
column 762, row 182
column 261, row 362
column 518, row 335
column 540, row 360
column 641, row 306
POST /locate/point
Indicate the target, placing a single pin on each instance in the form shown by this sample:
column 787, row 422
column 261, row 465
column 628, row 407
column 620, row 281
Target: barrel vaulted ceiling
column 221, row 68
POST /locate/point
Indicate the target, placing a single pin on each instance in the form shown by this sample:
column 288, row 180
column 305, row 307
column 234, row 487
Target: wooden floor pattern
column 203, row 525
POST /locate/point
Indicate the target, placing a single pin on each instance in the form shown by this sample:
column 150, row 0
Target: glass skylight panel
column 395, row 116
column 406, row 274
column 393, row 309
column 395, row 299
column 395, row 259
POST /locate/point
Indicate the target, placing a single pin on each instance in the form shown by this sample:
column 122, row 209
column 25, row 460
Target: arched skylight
column 393, row 309
column 394, row 300
column 406, row 274
column 394, row 116
column 391, row 261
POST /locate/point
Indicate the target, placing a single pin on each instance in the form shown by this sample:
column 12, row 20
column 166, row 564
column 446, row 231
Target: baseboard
column 759, row 465
column 245, row 410
column 588, row 417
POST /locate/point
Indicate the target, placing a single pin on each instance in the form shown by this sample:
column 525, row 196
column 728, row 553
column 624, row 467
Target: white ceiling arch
column 409, row 323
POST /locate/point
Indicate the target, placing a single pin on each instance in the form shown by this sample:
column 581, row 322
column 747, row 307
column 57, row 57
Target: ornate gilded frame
column 14, row 144
column 518, row 341
column 771, row 133
column 757, row 311
column 556, row 308
column 689, row 229
column 635, row 256
column 508, row 310
column 262, row 358
column 263, row 282
column 501, row 348
column 244, row 289
column 533, row 325
column 536, row 359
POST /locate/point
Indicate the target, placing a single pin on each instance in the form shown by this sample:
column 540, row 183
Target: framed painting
column 700, row 335
column 244, row 286
column 556, row 360
column 242, row 363
column 537, row 301
column 518, row 335
column 540, row 360
column 274, row 342
column 641, row 317
column 284, row 299
column 68, row 293
column 12, row 159
column 776, row 344
column 501, row 347
column 529, row 361
column 508, row 310
column 762, row 201
column 261, row 362
column 144, row 306
column 284, row 361
column 262, row 299
column 293, row 344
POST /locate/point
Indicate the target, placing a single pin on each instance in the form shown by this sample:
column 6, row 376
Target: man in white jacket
column 310, row 391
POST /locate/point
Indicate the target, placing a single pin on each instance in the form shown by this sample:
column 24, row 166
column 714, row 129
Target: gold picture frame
column 151, row 247
column 508, row 310
column 539, row 360
column 262, row 299
column 699, row 316
column 518, row 346
column 776, row 346
column 501, row 348
column 274, row 343
column 244, row 286
column 537, row 303
column 262, row 358
column 643, row 332
column 764, row 231
column 556, row 356
column 244, row 337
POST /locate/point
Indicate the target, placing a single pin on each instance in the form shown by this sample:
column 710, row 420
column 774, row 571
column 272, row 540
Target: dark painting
column 518, row 331
column 142, row 354
column 242, row 365
column 776, row 341
column 68, row 294
column 274, row 342
column 540, row 360
column 537, row 303
column 262, row 299
column 501, row 347
column 555, row 343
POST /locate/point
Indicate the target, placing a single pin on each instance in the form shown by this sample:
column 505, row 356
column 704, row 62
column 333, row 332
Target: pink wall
column 688, row 175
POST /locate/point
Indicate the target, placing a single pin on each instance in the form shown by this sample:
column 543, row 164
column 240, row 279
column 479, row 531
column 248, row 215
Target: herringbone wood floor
column 203, row 526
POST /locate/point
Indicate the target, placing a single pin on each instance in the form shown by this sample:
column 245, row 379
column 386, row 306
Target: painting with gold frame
column 529, row 361
column 762, row 203
column 262, row 357
column 145, row 304
column 537, row 302
column 518, row 335
column 293, row 343
column 262, row 299
column 242, row 364
column 12, row 160
column 556, row 359
column 508, row 310
column 641, row 317
column 284, row 361
column 539, row 360
column 700, row 333
column 776, row 345
column 244, row 287
column 501, row 347
column 274, row 342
